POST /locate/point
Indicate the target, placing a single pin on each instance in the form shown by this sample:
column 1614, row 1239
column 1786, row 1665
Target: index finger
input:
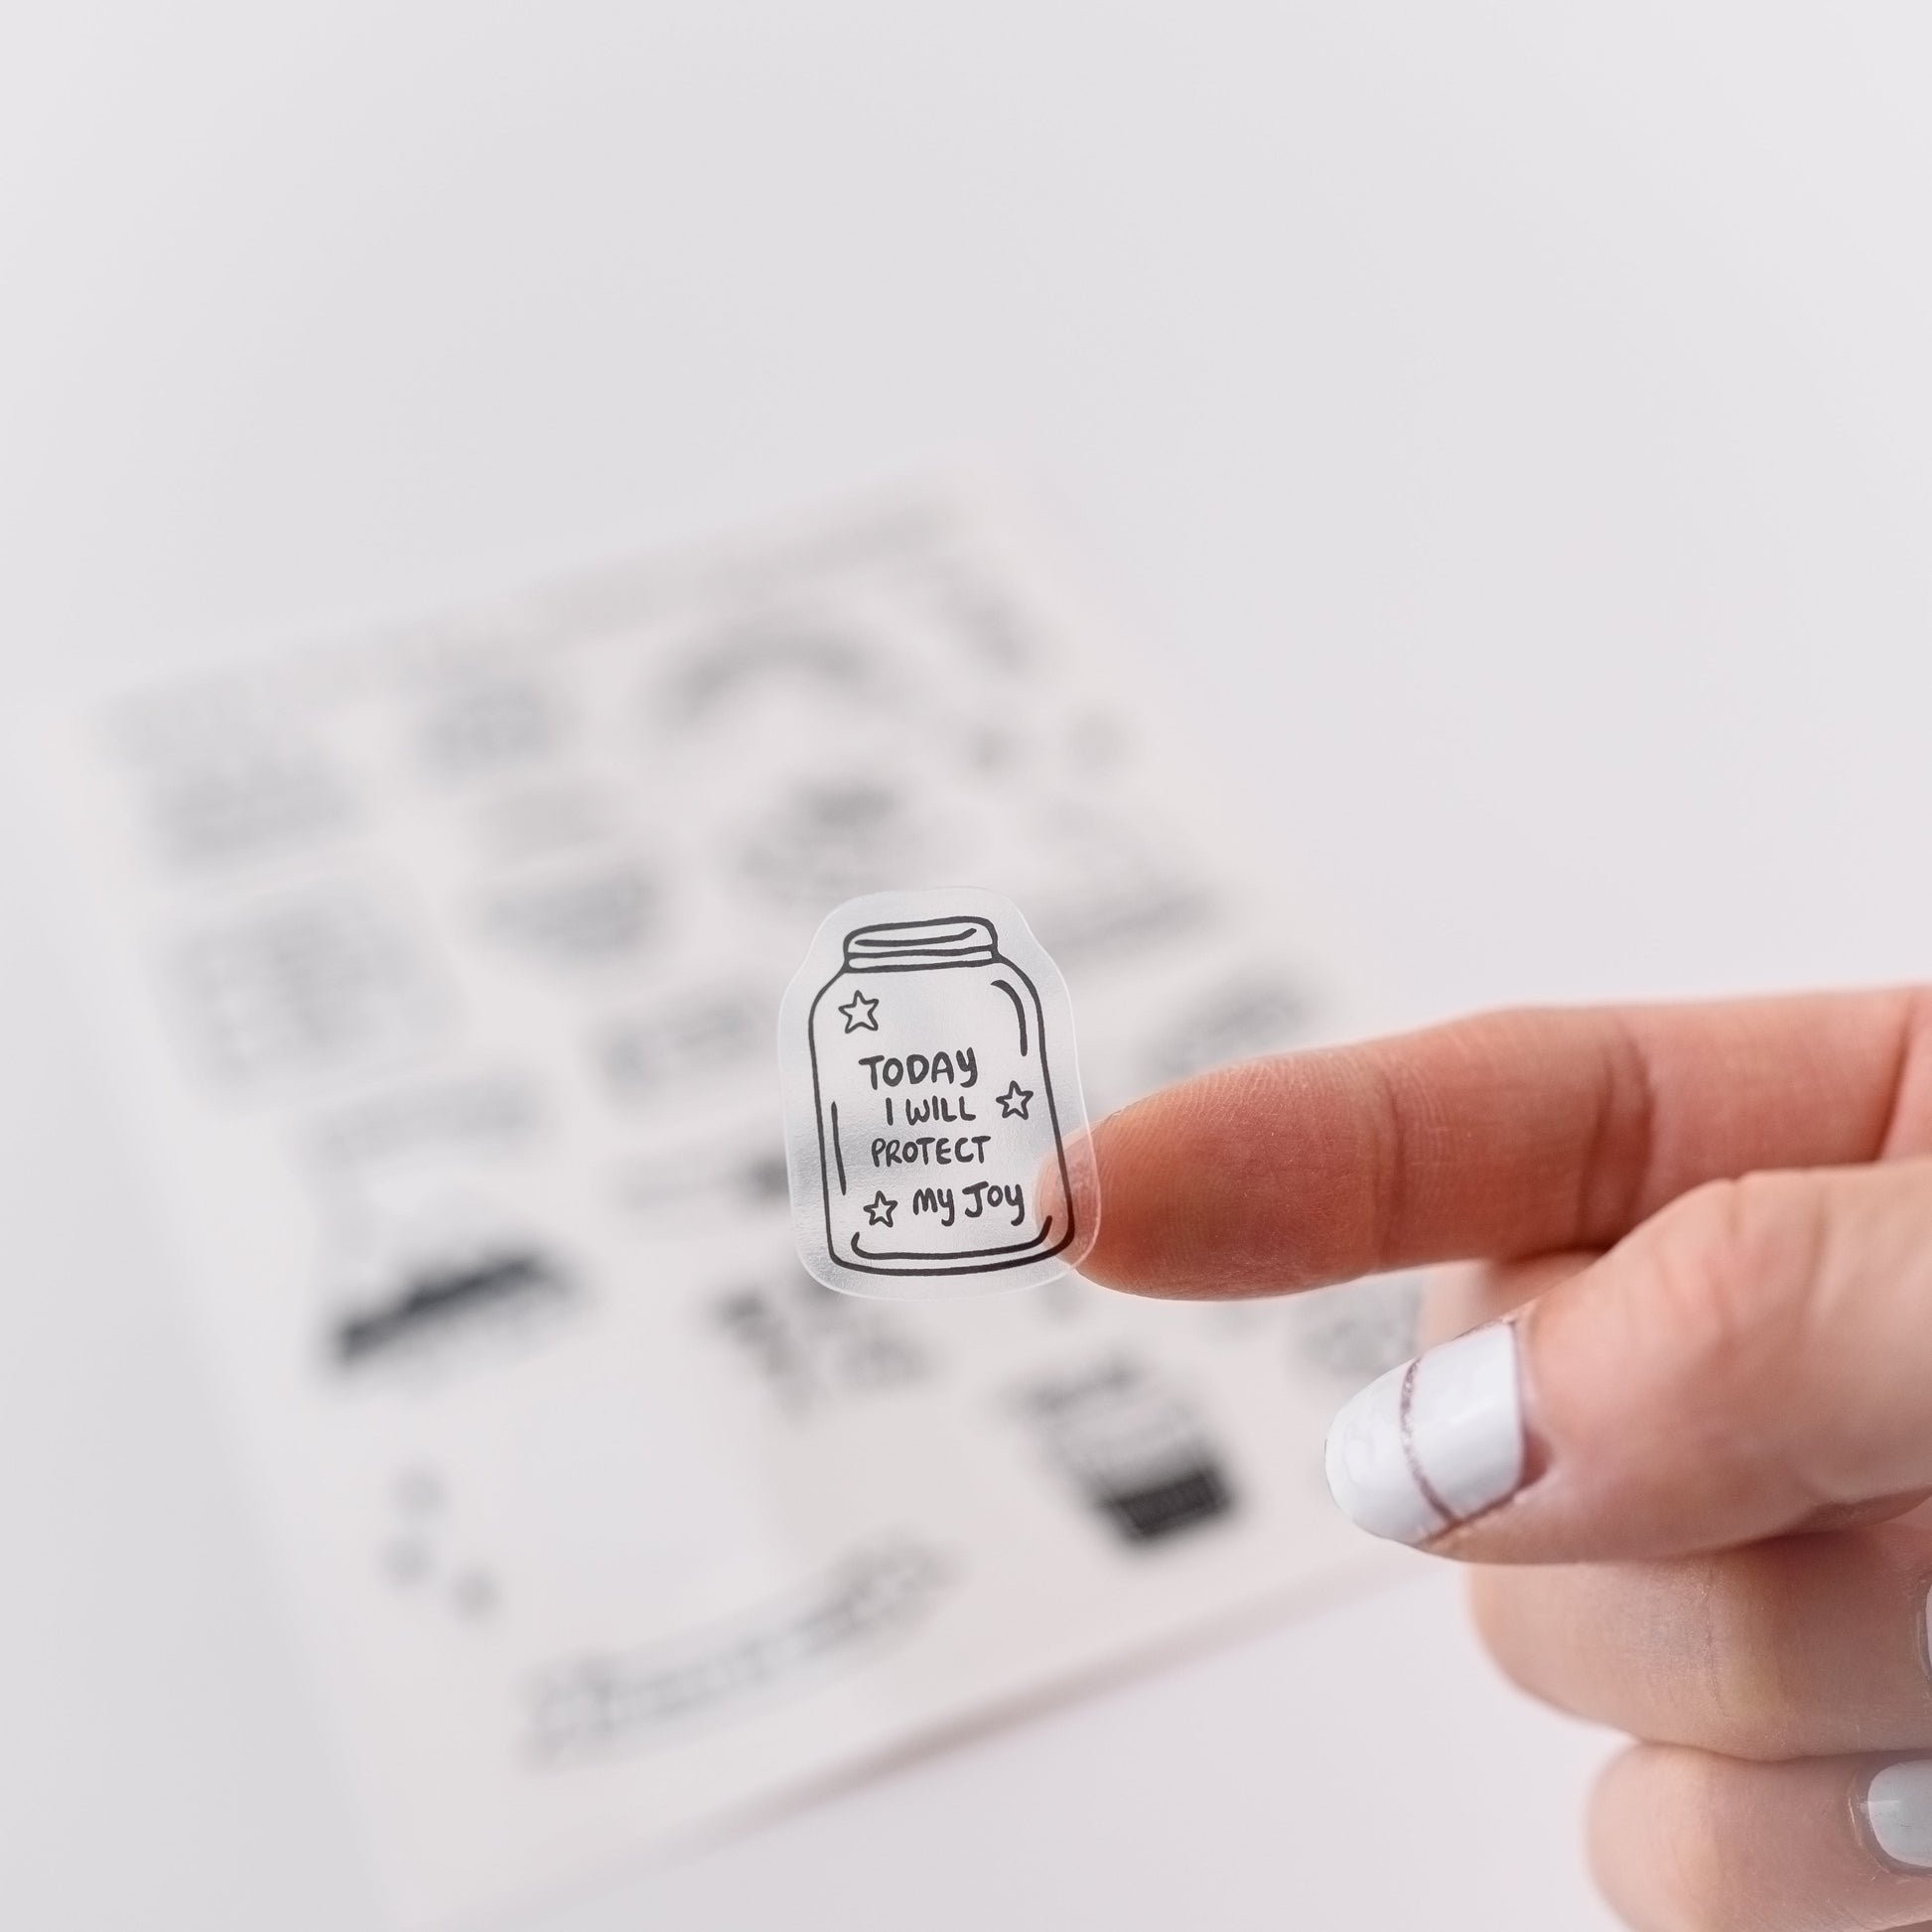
column 1510, row 1133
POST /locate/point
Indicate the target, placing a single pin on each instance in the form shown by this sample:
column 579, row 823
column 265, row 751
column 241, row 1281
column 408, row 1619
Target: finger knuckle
column 1695, row 1651
column 1734, row 1264
column 1743, row 1654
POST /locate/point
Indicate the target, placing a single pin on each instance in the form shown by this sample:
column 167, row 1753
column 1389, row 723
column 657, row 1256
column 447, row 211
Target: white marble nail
column 1898, row 1809
column 1433, row 1441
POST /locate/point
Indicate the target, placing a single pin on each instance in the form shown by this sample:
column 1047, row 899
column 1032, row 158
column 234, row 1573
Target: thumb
column 1756, row 1358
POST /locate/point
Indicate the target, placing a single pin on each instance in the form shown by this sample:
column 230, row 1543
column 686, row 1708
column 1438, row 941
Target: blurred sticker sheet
column 445, row 968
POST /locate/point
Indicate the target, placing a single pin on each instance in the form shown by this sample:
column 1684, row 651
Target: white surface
column 1511, row 435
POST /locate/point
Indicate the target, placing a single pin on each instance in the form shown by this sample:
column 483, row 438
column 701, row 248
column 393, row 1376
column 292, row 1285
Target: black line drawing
column 413, row 1290
column 423, row 1246
column 1115, row 890
column 544, row 820
column 824, row 840
column 308, row 984
column 707, row 1178
column 890, row 1053
column 414, row 1556
column 1133, row 1446
column 691, row 1037
column 228, row 774
column 478, row 723
column 577, row 912
column 421, row 1303
column 583, row 1709
column 481, row 1114
column 1358, row 1330
column 797, row 657
column 1258, row 1013
column 859, row 1013
column 990, row 624
column 816, row 1351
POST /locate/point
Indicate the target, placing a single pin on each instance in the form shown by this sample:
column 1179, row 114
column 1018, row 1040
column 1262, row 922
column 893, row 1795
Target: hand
column 1695, row 1421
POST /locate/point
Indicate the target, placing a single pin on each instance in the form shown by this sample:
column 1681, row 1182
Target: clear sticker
column 935, row 1135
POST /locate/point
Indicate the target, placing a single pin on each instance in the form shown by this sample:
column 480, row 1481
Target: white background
column 1505, row 430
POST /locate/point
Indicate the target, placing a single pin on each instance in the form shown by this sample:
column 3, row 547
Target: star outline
column 860, row 1014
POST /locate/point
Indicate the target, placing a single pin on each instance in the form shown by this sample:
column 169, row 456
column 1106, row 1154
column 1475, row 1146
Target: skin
column 1714, row 1228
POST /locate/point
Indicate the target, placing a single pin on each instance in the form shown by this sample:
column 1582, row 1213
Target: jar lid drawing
column 935, row 1135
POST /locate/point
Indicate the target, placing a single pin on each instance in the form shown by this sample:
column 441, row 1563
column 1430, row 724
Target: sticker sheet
column 444, row 969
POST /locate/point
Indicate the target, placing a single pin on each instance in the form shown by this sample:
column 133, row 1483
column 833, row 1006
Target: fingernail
column 1898, row 1810
column 1431, row 1443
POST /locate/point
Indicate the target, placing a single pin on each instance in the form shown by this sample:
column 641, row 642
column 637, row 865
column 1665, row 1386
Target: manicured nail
column 1431, row 1443
column 1898, row 1809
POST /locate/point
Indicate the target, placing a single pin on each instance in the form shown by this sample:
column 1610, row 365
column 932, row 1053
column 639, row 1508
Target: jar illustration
column 938, row 1134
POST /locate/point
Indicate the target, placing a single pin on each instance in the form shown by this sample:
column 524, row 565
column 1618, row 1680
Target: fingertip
column 1141, row 1237
column 1195, row 1183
